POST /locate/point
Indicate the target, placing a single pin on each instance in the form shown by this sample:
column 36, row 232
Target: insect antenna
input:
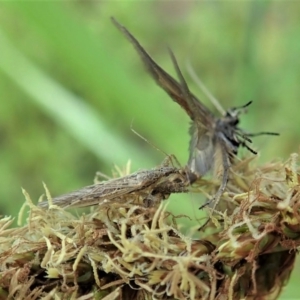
column 169, row 157
column 234, row 112
column 243, row 106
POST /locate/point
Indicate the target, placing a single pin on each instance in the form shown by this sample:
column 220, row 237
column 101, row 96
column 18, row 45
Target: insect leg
column 262, row 133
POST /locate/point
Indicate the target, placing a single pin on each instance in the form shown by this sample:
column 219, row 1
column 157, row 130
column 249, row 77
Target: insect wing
column 94, row 194
column 191, row 105
column 202, row 150
column 108, row 190
column 67, row 200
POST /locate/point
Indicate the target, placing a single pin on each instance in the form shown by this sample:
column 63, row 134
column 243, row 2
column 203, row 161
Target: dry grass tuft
column 130, row 249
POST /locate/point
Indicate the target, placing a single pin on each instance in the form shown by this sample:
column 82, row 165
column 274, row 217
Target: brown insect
column 214, row 141
column 156, row 183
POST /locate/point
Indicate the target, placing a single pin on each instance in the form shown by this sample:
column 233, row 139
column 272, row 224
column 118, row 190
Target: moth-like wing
column 107, row 190
column 112, row 189
column 202, row 150
column 67, row 200
column 91, row 195
column 195, row 109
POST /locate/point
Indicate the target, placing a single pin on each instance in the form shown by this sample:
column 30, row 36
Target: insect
column 159, row 182
column 214, row 141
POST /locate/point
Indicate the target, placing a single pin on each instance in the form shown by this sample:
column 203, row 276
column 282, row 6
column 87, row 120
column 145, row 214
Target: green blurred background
column 71, row 87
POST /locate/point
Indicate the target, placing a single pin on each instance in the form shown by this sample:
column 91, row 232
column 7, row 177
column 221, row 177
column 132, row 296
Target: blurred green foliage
column 72, row 87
